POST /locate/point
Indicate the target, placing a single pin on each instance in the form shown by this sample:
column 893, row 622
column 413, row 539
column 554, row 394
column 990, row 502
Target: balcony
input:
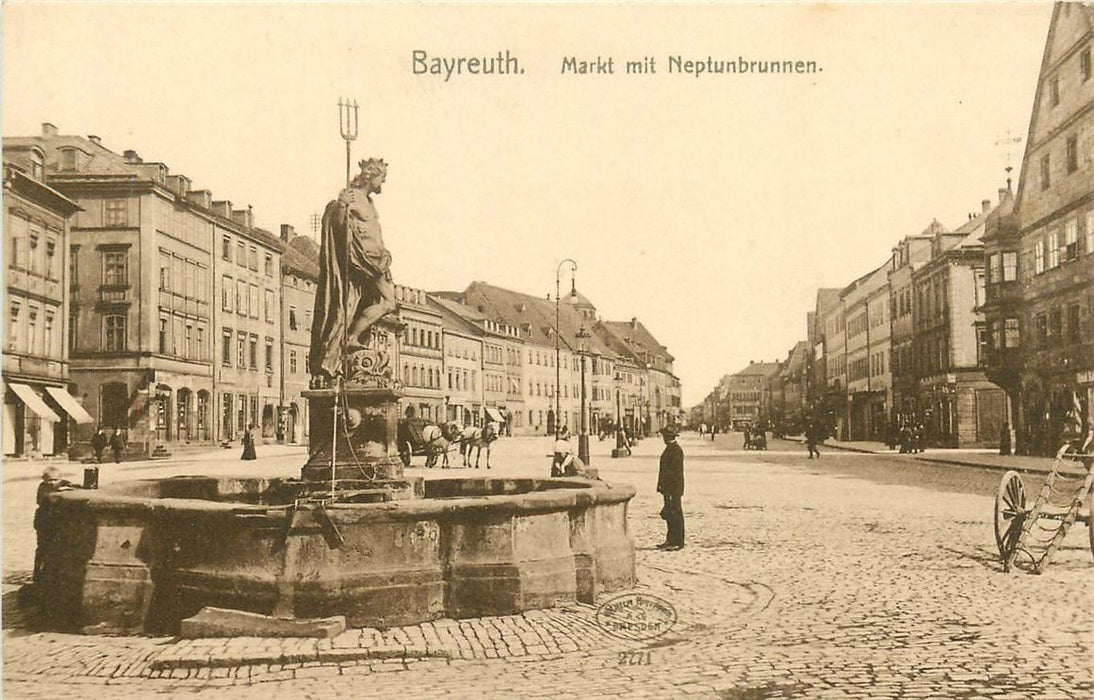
column 114, row 294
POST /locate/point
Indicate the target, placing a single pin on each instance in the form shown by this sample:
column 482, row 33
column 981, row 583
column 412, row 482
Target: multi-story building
column 658, row 388
column 1055, row 205
column 38, row 408
column 835, row 366
column 788, row 387
column 958, row 407
column 865, row 406
column 880, row 388
column 911, row 252
column 421, row 354
column 750, row 394
column 299, row 276
column 246, row 287
column 817, row 372
column 464, row 382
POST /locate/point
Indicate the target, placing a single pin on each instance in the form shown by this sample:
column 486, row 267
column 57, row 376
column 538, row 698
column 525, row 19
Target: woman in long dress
column 248, row 445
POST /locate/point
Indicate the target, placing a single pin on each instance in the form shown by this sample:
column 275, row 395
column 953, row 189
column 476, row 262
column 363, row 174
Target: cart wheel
column 1010, row 513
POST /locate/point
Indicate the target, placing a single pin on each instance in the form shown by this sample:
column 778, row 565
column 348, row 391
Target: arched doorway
column 292, row 420
column 551, row 421
column 269, row 421
column 184, row 415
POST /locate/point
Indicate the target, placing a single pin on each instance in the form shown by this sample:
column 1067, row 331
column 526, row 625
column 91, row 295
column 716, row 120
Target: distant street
column 855, row 575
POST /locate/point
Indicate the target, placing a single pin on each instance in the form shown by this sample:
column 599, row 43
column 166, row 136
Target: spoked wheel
column 1010, row 513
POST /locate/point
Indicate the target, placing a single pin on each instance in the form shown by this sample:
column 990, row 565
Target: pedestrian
column 98, row 444
column 51, row 483
column 670, row 484
column 812, row 433
column 563, row 452
column 117, row 444
column 248, row 444
column 713, row 432
column 1004, row 440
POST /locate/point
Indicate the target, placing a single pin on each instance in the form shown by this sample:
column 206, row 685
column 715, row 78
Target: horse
column 478, row 438
column 435, row 441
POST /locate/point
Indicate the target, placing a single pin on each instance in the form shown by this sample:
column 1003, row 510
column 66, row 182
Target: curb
column 191, row 660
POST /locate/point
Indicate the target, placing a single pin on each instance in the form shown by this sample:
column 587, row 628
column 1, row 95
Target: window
column 1084, row 64
column 115, row 268
column 252, row 352
column 37, row 167
column 1056, row 325
column 33, row 254
column 1072, row 153
column 1042, row 331
column 269, row 306
column 269, row 354
column 1010, row 335
column 307, row 319
column 241, row 413
column 292, row 318
column 241, row 254
column 1039, row 257
column 1053, row 249
column 1090, row 232
column 165, row 272
column 163, row 336
column 226, row 348
column 1045, row 179
column 252, row 259
column 114, row 336
column 269, row 265
column 226, row 248
column 189, row 347
column 253, row 297
column 1054, row 91
column 1073, row 323
column 116, row 212
column 1010, row 266
column 241, row 349
column 201, row 344
column 47, row 345
column 241, row 297
column 226, row 288
column 13, row 326
column 51, row 259
column 1071, row 240
column 292, row 362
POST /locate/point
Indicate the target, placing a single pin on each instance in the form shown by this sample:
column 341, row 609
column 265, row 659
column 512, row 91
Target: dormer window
column 68, row 159
column 37, row 164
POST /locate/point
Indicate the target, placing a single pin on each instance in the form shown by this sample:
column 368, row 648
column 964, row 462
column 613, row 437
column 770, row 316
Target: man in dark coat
column 117, row 444
column 98, row 444
column 670, row 484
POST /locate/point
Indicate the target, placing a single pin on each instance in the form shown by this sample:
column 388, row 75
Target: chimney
column 223, row 209
column 985, row 205
column 48, row 129
column 1003, row 192
column 634, row 323
column 202, row 198
column 244, row 217
column 287, row 232
column 95, row 139
column 131, row 157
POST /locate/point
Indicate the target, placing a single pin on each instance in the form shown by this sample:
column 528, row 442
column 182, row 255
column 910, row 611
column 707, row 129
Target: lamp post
column 558, row 352
column 583, row 438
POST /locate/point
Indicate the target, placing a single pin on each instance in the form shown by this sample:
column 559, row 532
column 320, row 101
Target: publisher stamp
column 636, row 616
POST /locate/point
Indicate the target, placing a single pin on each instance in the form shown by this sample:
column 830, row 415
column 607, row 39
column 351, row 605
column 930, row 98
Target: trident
column 347, row 126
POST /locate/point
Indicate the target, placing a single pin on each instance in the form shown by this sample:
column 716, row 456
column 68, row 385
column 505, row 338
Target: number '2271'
column 635, row 658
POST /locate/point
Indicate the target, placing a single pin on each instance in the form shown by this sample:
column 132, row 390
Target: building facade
column 421, row 352
column 38, row 408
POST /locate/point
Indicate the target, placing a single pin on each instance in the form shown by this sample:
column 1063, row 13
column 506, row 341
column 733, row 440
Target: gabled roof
column 637, row 337
column 453, row 318
column 763, row 369
column 533, row 316
column 301, row 258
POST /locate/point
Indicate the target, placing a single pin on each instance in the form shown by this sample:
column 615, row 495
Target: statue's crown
column 373, row 166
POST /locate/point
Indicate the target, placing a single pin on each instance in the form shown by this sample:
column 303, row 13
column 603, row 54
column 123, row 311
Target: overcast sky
column 710, row 207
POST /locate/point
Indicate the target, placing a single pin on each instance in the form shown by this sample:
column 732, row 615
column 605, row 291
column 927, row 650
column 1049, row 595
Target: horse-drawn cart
column 1029, row 536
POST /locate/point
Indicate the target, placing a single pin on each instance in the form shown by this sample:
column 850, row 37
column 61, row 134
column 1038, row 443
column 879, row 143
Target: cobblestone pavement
column 797, row 581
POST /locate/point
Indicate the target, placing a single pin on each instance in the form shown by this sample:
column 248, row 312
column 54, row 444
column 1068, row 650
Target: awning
column 34, row 402
column 494, row 415
column 69, row 403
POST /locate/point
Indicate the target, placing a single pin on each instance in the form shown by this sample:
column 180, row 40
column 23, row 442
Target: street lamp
column 583, row 438
column 558, row 353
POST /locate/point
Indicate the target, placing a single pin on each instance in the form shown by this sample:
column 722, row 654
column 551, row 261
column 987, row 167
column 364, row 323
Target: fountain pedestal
column 353, row 443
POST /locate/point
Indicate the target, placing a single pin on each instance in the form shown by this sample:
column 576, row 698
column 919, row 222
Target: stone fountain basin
column 140, row 556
